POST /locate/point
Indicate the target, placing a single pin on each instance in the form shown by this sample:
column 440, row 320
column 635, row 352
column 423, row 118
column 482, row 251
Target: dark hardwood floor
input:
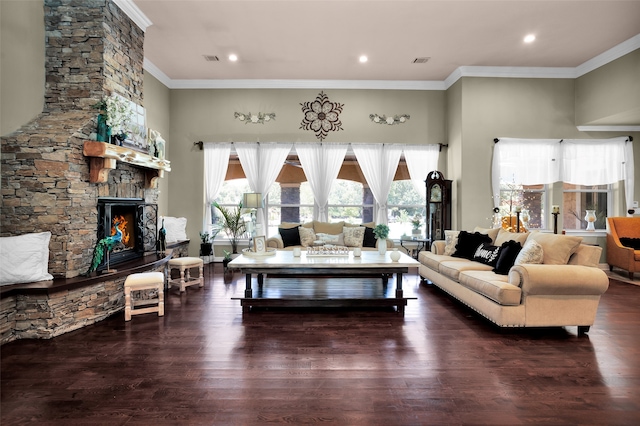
column 203, row 363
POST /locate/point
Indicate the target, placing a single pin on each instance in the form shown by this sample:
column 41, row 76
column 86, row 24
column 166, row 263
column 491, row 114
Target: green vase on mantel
column 104, row 131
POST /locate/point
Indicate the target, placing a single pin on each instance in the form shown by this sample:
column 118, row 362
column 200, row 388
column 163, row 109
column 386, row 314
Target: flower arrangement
column 381, row 232
column 259, row 118
column 118, row 112
column 416, row 221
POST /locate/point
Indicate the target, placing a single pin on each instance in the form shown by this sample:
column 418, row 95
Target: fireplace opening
column 136, row 221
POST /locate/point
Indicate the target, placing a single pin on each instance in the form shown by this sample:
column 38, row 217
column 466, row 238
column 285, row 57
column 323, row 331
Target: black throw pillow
column 508, row 253
column 487, row 254
column 369, row 237
column 634, row 243
column 290, row 237
column 468, row 243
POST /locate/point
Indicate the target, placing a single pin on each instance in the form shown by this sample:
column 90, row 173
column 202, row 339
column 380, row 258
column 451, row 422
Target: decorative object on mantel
column 383, row 119
column 259, row 118
column 115, row 111
column 156, row 144
column 321, row 116
column 104, row 247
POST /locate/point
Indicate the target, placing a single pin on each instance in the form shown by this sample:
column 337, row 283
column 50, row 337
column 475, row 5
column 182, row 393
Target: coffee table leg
column 399, row 292
column 247, row 291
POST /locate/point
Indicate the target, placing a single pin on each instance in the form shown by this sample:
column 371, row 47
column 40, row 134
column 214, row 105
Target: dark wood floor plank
column 204, row 363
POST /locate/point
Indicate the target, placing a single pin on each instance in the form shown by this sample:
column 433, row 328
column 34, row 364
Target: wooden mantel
column 105, row 156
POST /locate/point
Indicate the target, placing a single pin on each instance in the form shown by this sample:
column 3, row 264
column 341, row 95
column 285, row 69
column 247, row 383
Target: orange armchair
column 618, row 255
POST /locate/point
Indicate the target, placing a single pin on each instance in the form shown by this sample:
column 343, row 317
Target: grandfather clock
column 438, row 205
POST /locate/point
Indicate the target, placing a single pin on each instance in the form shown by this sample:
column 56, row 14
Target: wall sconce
column 259, row 118
column 383, row 119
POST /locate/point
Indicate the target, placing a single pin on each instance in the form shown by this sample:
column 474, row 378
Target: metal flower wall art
column 383, row 119
column 259, row 118
column 322, row 116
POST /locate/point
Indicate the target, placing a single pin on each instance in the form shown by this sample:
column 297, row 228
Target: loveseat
column 318, row 233
column 623, row 244
column 519, row 280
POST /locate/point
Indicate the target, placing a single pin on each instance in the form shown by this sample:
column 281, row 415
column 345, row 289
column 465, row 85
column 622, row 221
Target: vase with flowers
column 115, row 113
column 381, row 232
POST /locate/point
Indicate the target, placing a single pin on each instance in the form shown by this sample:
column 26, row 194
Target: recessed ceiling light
column 530, row 38
column 363, row 59
column 233, row 57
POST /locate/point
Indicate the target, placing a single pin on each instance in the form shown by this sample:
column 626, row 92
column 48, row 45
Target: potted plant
column 416, row 223
column 206, row 247
column 232, row 224
column 228, row 272
column 381, row 232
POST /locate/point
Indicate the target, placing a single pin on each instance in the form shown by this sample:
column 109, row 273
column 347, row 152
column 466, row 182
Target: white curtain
column 262, row 163
column 599, row 162
column 525, row 161
column 378, row 163
column 421, row 159
column 216, row 163
column 321, row 164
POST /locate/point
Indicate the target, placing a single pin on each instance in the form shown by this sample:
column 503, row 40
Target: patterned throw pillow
column 531, row 253
column 353, row 236
column 487, row 254
column 307, row 236
column 336, row 240
column 451, row 239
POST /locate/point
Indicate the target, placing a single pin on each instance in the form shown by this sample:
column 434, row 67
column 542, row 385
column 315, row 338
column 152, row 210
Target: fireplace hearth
column 138, row 222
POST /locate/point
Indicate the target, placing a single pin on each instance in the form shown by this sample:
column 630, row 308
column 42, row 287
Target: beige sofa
column 322, row 233
column 563, row 290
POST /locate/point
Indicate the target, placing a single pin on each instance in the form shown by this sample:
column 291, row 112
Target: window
column 347, row 202
column 530, row 198
column 230, row 196
column 405, row 204
column 577, row 199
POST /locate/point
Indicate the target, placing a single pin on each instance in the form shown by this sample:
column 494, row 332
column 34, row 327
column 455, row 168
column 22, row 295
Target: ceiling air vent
column 211, row 58
column 421, row 60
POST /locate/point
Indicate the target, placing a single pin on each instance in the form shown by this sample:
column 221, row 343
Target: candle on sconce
column 518, row 209
column 555, row 209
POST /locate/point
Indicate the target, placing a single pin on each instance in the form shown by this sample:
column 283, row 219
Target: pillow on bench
column 25, row 258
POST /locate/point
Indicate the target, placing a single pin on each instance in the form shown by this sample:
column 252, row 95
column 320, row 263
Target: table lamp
column 252, row 201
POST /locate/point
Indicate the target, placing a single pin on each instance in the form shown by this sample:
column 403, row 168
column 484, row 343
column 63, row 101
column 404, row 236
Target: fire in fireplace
column 137, row 221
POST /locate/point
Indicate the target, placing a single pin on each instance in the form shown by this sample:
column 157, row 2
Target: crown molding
column 307, row 84
column 610, row 55
column 609, row 128
column 152, row 69
column 509, row 72
column 133, row 12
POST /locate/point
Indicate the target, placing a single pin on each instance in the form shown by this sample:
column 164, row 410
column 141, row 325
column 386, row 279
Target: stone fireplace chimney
column 93, row 49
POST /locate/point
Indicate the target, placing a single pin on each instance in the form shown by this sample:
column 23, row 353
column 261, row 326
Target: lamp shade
column 252, row 200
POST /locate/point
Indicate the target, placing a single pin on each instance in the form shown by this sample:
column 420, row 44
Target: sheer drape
column 216, row 163
column 525, row 161
column 321, row 164
column 262, row 163
column 378, row 163
column 421, row 159
column 599, row 162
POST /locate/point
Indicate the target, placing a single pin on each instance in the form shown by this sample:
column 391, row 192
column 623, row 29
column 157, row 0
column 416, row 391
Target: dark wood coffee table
column 284, row 264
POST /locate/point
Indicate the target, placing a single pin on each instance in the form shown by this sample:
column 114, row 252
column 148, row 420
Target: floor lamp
column 252, row 201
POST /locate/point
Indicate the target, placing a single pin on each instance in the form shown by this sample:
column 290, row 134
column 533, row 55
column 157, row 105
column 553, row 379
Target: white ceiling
column 322, row 40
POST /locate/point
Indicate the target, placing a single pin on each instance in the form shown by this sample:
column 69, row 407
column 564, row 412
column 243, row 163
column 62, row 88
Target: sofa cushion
column 450, row 239
column 532, row 252
column 557, row 248
column 307, row 236
column 487, row 254
column 586, row 255
column 634, row 243
column 369, row 239
column 508, row 253
column 493, row 286
column 353, row 236
column 504, row 236
column 432, row 260
column 290, row 236
column 468, row 243
column 452, row 268
column 491, row 232
column 328, row 228
column 336, row 240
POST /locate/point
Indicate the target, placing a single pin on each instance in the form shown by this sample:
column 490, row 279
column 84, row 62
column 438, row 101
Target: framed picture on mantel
column 136, row 129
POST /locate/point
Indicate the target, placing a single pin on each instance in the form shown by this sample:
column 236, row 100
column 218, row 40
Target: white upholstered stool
column 184, row 264
column 143, row 281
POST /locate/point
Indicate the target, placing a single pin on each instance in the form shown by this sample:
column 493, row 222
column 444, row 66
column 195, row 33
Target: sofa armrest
column 275, row 242
column 559, row 279
column 437, row 247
